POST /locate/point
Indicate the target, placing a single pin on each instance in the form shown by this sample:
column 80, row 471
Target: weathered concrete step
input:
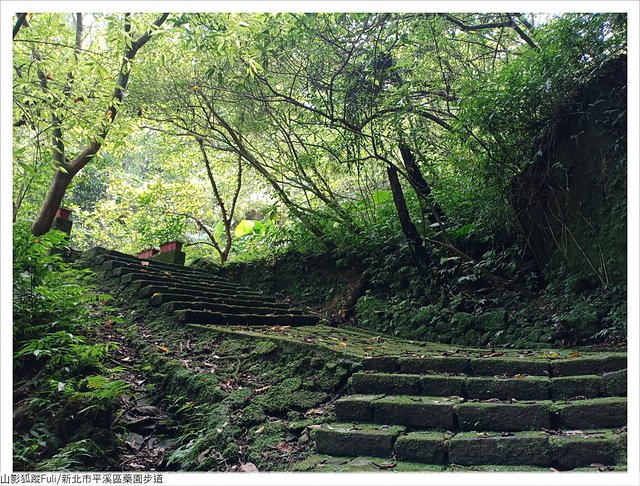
column 526, row 388
column 356, row 440
column 98, row 255
column 145, row 280
column 158, row 297
column 535, row 448
column 451, row 413
column 186, row 284
column 147, row 288
column 217, row 318
column 119, row 269
column 162, row 277
column 230, row 309
column 499, row 365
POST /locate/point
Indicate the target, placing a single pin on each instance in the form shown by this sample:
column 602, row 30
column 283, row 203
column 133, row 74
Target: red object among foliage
column 63, row 213
column 147, row 253
column 171, row 246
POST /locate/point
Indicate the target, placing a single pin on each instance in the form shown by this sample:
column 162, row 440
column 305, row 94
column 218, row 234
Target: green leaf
column 244, row 227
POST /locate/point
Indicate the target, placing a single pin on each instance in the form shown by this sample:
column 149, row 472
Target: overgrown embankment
column 561, row 263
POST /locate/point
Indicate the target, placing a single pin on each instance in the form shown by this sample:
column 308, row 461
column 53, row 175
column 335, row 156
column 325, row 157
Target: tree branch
column 21, row 22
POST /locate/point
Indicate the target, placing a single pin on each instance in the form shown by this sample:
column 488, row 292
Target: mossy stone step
column 504, row 417
column 527, row 448
column 450, row 413
column 153, row 280
column 217, row 318
column 563, row 451
column 587, row 447
column 589, row 366
column 230, row 309
column 363, row 464
column 599, row 413
column 98, row 255
column 157, row 297
column 490, row 366
column 525, row 388
column 137, row 284
column 119, row 267
column 614, row 383
column 412, row 411
column 147, row 289
column 193, row 280
column 350, row 440
column 427, row 447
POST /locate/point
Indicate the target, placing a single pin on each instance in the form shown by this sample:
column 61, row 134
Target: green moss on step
column 579, row 450
column 574, row 386
column 592, row 414
column 428, row 413
column 324, row 463
column 530, row 388
column 503, row 416
column 427, row 447
column 521, row 448
column 354, row 440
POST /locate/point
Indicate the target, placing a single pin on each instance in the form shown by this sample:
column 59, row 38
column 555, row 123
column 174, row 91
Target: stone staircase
column 194, row 296
column 478, row 410
column 552, row 413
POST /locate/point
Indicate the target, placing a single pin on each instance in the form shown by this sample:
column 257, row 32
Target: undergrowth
column 64, row 394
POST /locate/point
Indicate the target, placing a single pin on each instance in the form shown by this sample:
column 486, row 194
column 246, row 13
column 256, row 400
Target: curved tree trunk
column 51, row 203
column 416, row 246
column 61, row 180
column 419, row 183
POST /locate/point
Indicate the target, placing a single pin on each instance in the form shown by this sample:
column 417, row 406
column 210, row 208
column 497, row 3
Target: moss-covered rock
column 423, row 412
column 427, row 447
column 503, row 416
column 593, row 414
column 289, row 395
column 521, row 448
column 347, row 440
column 531, row 388
column 491, row 321
column 575, row 386
column 585, row 449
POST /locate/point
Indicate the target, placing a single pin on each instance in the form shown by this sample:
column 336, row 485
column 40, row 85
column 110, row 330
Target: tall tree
column 68, row 166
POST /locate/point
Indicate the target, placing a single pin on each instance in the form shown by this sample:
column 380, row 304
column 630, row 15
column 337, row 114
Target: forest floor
column 249, row 398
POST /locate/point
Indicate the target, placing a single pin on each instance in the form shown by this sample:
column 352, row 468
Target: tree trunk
column 57, row 190
column 419, row 183
column 61, row 180
column 418, row 251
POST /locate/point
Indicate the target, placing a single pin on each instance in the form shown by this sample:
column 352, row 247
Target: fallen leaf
column 343, row 344
column 519, row 376
column 144, row 264
column 285, row 447
column 574, row 354
column 262, row 389
column 248, row 467
column 260, row 430
column 163, row 348
column 314, row 412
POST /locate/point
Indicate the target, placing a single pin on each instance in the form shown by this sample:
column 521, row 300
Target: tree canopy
column 245, row 133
